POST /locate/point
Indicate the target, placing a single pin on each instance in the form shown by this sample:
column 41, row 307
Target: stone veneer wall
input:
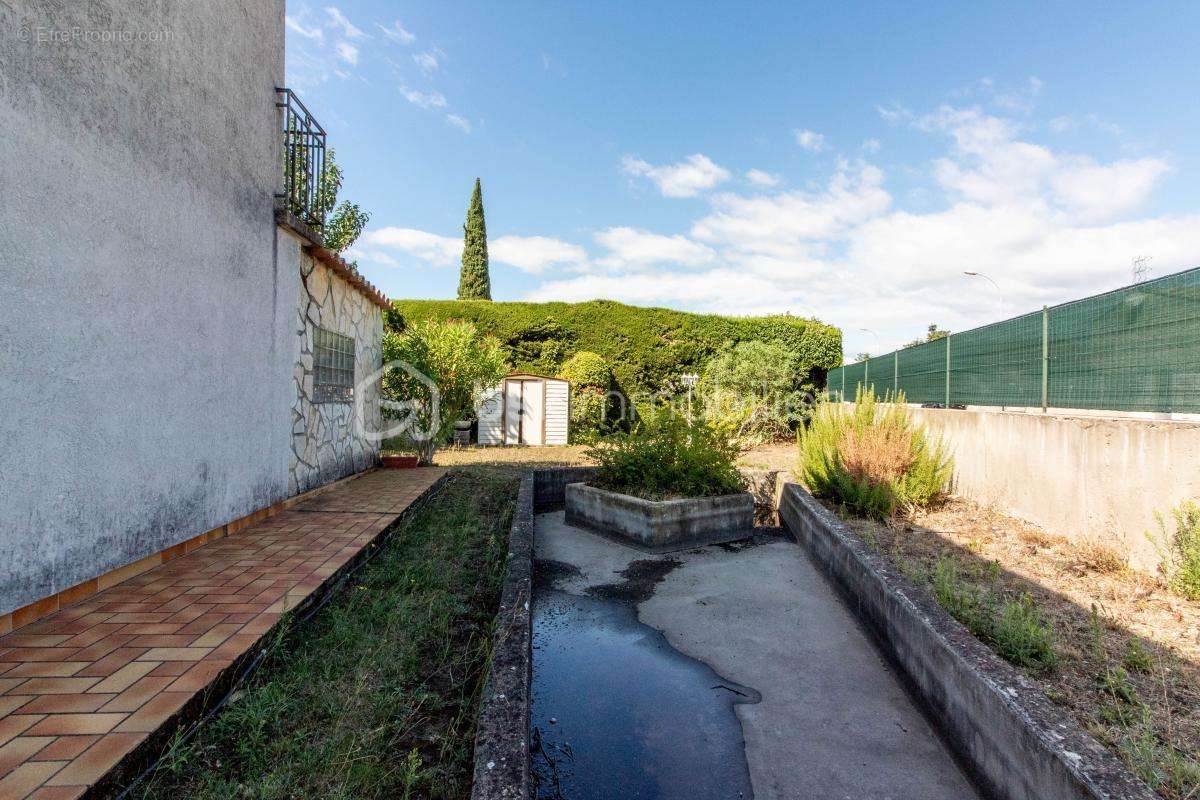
column 325, row 443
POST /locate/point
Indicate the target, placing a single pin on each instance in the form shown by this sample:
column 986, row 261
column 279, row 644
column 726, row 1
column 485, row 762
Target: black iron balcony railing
column 304, row 194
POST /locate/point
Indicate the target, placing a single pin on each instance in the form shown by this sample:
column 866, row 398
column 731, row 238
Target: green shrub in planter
column 871, row 457
column 668, row 456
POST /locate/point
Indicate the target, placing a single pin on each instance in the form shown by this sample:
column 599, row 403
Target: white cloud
column 760, row 178
column 371, row 255
column 438, row 251
column 347, row 52
column 810, row 140
column 427, row 62
column 1020, row 99
column 314, row 32
column 338, row 20
column 721, row 290
column 1047, row 225
column 535, row 254
column 871, row 146
column 462, row 123
column 631, row 248
column 1102, row 191
column 991, row 165
column 686, row 178
column 782, row 225
column 1063, row 124
column 397, row 33
column 431, row 99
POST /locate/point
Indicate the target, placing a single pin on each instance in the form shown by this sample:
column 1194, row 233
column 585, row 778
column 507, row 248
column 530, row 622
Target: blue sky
column 843, row 161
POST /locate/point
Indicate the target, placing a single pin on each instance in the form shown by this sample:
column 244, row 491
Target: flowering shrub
column 871, row 457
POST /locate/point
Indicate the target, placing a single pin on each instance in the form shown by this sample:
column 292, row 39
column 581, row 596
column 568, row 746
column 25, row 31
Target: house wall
column 147, row 330
column 332, row 440
column 1087, row 478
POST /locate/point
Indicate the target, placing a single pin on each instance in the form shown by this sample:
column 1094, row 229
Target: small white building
column 525, row 409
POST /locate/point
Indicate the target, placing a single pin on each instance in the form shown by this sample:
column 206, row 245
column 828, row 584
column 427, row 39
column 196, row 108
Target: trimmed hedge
column 647, row 347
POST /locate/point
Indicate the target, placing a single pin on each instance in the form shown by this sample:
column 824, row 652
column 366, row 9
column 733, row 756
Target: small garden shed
column 525, row 409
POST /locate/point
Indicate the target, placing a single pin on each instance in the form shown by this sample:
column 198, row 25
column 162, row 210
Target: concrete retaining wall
column 1019, row 744
column 661, row 525
column 1088, row 478
column 550, row 484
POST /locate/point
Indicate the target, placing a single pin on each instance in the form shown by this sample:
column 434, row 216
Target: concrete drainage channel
column 739, row 670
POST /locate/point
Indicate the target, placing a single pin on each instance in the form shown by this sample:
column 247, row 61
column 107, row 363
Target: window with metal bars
column 333, row 367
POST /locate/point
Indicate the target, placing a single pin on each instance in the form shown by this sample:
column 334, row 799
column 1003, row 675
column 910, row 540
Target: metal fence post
column 866, row 377
column 896, row 376
column 948, row 370
column 1045, row 358
column 843, row 397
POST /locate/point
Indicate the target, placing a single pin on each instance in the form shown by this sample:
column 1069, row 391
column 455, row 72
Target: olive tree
column 434, row 374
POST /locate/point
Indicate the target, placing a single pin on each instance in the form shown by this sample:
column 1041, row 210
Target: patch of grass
column 1016, row 628
column 376, row 695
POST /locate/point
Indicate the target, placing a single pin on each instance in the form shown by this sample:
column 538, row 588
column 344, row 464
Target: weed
column 1137, row 658
column 1016, row 629
column 1179, row 546
column 1022, row 634
column 1164, row 767
column 962, row 600
column 1115, row 682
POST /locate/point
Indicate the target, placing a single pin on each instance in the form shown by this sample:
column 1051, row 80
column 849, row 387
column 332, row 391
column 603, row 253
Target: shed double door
column 524, row 412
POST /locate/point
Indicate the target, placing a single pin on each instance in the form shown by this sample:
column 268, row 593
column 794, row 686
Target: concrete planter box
column 661, row 525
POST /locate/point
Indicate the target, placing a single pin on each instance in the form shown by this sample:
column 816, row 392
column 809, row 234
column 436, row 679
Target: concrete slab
column 833, row 721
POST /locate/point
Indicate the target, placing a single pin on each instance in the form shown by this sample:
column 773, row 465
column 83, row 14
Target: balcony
column 305, row 200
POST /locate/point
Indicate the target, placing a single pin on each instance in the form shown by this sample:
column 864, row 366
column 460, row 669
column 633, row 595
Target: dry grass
column 1128, row 649
column 518, row 456
column 772, row 456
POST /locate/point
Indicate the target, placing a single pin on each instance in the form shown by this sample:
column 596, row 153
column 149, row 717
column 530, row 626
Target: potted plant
column 669, row 484
column 397, row 461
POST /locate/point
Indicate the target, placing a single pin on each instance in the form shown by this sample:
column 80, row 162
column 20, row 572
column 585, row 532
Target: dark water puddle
column 620, row 714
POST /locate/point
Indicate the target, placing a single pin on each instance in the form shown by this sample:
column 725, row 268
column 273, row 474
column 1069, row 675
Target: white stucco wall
column 1087, row 478
column 146, row 329
column 327, row 441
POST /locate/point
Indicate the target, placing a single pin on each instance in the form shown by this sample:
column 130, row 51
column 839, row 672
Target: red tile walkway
column 84, row 687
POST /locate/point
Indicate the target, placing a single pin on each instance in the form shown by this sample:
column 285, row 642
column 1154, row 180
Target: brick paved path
column 84, row 687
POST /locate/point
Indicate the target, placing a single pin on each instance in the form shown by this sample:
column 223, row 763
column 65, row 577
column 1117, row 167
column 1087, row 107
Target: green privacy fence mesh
column 1131, row 349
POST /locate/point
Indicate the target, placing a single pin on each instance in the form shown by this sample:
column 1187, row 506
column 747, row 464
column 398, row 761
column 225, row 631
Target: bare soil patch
column 1128, row 649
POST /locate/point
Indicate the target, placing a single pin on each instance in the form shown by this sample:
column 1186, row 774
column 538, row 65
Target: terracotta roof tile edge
column 350, row 275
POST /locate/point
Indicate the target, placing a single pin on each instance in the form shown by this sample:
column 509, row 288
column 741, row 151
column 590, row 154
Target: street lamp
column 689, row 380
column 999, row 293
column 873, row 333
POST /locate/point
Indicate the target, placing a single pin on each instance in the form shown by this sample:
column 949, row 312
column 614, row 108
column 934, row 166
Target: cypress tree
column 473, row 280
